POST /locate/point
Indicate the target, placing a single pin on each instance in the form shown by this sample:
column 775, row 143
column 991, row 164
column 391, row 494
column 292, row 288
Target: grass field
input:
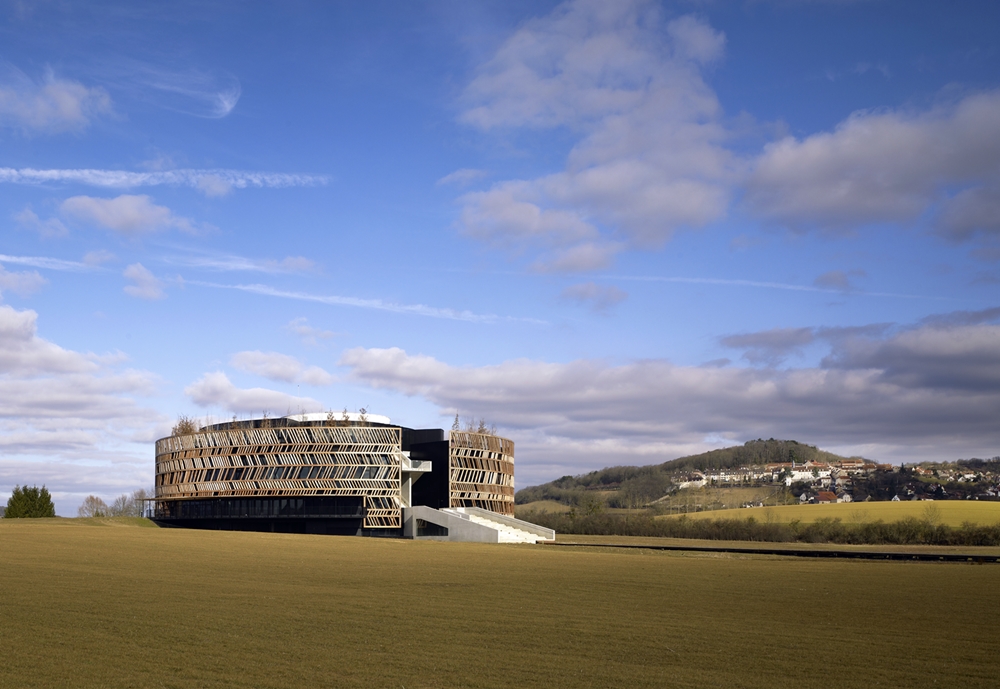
column 105, row 603
column 541, row 506
column 947, row 512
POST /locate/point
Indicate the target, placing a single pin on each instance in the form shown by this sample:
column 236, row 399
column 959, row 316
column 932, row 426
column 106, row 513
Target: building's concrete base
column 470, row 524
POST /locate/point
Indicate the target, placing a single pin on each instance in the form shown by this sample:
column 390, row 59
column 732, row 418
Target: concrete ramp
column 470, row 524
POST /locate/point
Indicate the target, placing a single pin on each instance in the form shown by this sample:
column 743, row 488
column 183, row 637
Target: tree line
column 32, row 502
column 910, row 531
column 125, row 505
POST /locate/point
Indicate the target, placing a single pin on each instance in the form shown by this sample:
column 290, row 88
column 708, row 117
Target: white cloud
column 213, row 186
column 145, row 284
column 600, row 298
column 929, row 392
column 130, row 215
column 69, row 419
column 887, row 166
column 314, row 375
column 126, row 179
column 838, row 279
column 281, row 367
column 50, row 106
column 23, row 283
column 771, row 347
column 649, row 158
column 577, row 259
column 25, row 355
column 972, row 211
column 462, row 177
column 308, row 334
column 52, row 227
column 216, row 390
column 98, row 257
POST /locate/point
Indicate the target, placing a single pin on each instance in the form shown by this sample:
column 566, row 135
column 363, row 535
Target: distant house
column 895, row 498
column 825, row 497
column 845, row 497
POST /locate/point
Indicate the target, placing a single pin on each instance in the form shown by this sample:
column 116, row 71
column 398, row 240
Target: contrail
column 125, row 179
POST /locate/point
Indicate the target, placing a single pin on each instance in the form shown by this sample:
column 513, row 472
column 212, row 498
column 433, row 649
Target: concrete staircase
column 472, row 524
column 505, row 533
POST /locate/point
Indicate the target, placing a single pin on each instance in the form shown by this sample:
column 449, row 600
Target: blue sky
column 622, row 232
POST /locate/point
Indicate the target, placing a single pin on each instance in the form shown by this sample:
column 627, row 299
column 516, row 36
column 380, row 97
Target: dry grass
column 541, row 506
column 947, row 512
column 130, row 607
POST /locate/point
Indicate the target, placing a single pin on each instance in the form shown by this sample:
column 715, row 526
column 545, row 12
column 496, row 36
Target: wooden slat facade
column 351, row 461
column 481, row 471
column 305, row 461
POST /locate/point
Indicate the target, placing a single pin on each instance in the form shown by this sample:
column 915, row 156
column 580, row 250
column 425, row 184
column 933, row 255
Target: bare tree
column 456, row 425
column 93, row 506
column 185, row 425
column 121, row 507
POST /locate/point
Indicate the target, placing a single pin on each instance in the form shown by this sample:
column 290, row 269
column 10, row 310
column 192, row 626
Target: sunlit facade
column 311, row 473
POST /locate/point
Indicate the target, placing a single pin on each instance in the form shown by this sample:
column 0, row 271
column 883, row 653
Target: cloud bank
column 926, row 392
column 70, row 419
column 652, row 152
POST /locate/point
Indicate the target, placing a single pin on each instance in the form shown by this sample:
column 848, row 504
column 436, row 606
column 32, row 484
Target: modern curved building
column 315, row 473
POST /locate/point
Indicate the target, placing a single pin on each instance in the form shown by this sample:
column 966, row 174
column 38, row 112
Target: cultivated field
column 84, row 603
column 947, row 512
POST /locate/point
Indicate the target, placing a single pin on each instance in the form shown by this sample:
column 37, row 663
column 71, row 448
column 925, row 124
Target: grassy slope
column 115, row 607
column 541, row 506
column 948, row 512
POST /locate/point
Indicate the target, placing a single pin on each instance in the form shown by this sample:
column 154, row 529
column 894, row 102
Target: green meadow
column 105, row 603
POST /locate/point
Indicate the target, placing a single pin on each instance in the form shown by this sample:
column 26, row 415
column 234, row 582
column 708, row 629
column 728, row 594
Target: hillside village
column 782, row 471
column 836, row 481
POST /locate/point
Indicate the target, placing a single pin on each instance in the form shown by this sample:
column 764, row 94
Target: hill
column 642, row 484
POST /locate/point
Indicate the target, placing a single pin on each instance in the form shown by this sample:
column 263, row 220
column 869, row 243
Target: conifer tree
column 30, row 502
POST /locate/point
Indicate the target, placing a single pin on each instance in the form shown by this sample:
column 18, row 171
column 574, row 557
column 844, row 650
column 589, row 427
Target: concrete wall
column 459, row 529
